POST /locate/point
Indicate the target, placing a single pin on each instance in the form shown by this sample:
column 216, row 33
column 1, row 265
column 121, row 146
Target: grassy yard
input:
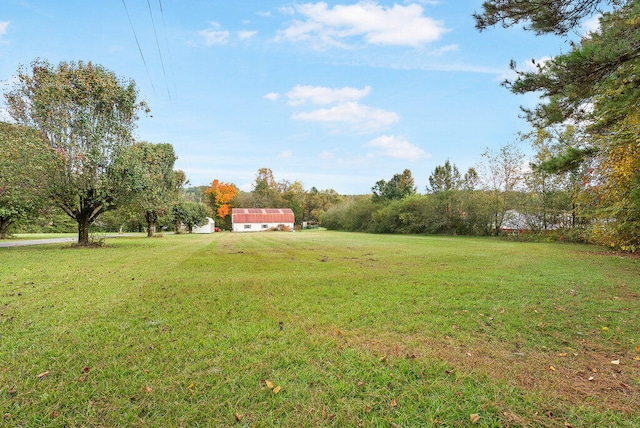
column 318, row 329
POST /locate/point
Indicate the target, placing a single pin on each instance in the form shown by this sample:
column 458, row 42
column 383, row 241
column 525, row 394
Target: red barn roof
column 262, row 215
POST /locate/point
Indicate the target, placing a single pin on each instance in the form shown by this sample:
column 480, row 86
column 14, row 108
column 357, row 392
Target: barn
column 261, row 219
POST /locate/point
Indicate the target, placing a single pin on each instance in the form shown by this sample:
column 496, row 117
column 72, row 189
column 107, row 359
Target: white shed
column 208, row 227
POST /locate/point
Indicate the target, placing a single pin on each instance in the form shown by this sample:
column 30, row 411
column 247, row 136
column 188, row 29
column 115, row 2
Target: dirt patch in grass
column 578, row 377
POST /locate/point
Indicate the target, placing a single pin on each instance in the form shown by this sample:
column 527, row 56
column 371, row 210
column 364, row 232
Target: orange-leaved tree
column 220, row 195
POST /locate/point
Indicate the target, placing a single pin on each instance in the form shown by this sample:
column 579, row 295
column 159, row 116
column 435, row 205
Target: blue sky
column 335, row 94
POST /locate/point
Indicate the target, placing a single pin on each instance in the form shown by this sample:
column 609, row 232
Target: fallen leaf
column 360, row 383
column 562, row 354
column 636, row 358
column 238, row 417
column 86, row 369
column 616, row 362
column 277, row 389
column 474, row 418
column 147, row 389
column 367, row 409
column 553, row 369
column 43, row 374
column 192, row 385
column 637, row 348
column 383, row 358
column 590, row 378
column 269, row 384
column 394, row 403
column 605, row 328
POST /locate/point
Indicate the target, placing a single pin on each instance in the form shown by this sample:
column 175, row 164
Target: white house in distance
column 261, row 219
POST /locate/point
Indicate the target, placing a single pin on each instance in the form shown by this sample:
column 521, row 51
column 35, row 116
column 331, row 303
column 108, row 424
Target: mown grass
column 355, row 330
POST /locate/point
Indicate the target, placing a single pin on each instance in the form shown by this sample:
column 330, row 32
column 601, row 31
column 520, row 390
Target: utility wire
column 138, row 43
column 155, row 33
column 166, row 40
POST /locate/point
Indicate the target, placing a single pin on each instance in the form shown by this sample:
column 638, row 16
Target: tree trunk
column 83, row 231
column 151, row 217
column 4, row 227
column 151, row 229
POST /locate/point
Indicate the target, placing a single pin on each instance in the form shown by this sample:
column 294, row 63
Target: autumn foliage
column 220, row 195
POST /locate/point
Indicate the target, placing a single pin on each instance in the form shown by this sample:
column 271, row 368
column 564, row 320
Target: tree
column 191, row 214
column 502, row 174
column 554, row 182
column 159, row 186
column 543, row 16
column 23, row 158
column 317, row 202
column 265, row 190
column 400, row 186
column 220, row 196
column 444, row 178
column 470, row 180
column 594, row 85
column 293, row 197
column 86, row 115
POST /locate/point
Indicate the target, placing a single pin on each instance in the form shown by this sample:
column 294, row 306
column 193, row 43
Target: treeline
column 505, row 196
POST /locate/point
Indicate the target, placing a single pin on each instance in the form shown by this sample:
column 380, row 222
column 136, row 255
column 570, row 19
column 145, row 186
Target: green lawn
column 318, row 328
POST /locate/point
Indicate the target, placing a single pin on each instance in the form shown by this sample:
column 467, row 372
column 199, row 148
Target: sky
column 334, row 94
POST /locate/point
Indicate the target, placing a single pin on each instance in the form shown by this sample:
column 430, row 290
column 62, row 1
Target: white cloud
column 326, row 155
column 358, row 117
column 3, row 30
column 591, row 25
column 273, row 96
column 445, row 49
column 375, row 24
column 286, row 154
column 246, row 34
column 398, row 147
column 530, row 65
column 321, row 95
column 214, row 35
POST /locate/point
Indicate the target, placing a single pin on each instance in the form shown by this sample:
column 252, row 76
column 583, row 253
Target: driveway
column 25, row 242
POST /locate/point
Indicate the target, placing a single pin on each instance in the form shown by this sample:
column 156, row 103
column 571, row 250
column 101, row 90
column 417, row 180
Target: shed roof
column 262, row 215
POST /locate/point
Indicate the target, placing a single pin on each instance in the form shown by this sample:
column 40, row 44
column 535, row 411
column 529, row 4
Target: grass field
column 318, row 329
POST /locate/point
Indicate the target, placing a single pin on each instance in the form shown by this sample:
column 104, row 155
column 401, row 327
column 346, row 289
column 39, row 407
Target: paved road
column 25, row 242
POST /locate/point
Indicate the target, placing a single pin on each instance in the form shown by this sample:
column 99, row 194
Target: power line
column 138, row 43
column 166, row 40
column 155, row 33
